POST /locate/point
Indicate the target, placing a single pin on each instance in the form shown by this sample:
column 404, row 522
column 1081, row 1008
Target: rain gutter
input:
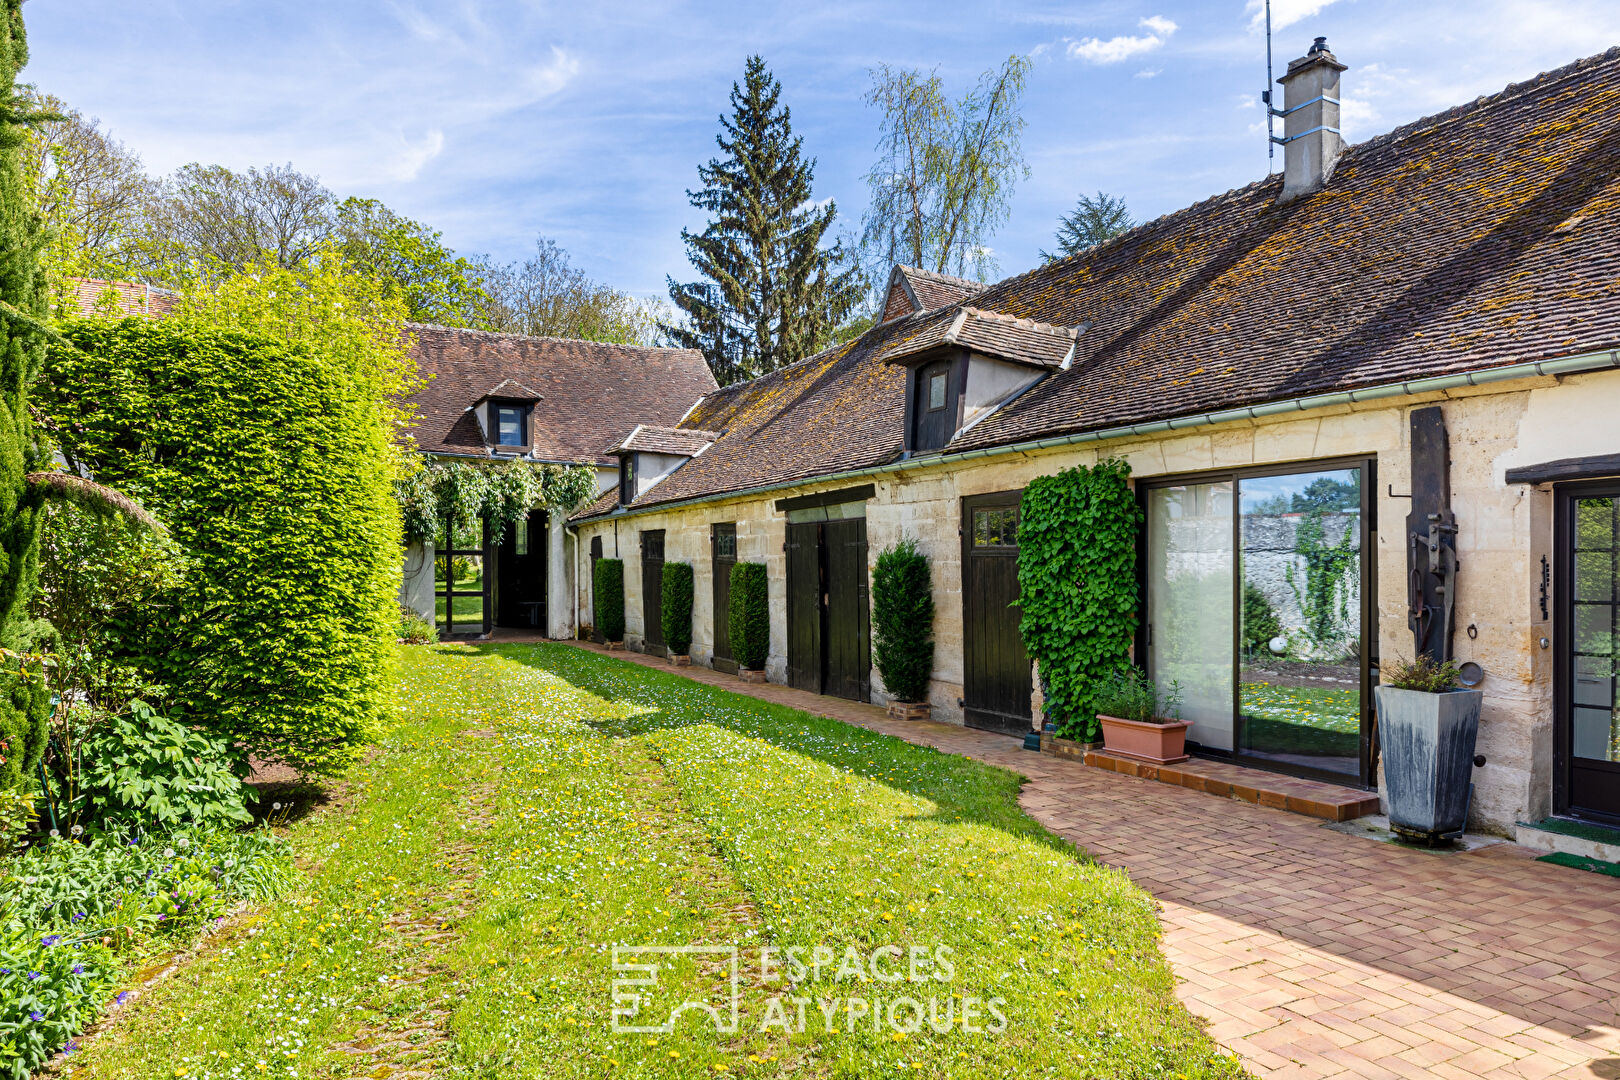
column 1569, row 365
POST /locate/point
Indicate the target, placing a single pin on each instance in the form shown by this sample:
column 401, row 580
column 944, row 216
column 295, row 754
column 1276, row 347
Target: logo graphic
column 636, row 969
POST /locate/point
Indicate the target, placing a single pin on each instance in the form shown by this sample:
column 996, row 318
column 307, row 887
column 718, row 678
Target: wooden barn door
column 652, row 591
column 847, row 665
column 995, row 677
column 723, row 541
column 804, row 605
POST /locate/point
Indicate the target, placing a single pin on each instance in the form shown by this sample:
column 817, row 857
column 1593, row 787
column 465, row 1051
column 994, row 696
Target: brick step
column 1557, row 836
column 1312, row 798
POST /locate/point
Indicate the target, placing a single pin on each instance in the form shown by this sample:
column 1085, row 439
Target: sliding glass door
column 1258, row 606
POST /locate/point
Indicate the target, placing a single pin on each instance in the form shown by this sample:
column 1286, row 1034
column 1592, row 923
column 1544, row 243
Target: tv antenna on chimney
column 1265, row 98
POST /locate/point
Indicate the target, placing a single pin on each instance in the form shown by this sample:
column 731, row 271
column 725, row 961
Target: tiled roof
column 993, row 334
column 590, row 394
column 88, row 296
column 912, row 290
column 509, row 390
column 1487, row 235
column 665, row 440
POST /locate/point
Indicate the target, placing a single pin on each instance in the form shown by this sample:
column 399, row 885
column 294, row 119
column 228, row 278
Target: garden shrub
column 1260, row 622
column 750, row 615
column 607, row 594
column 1077, row 585
column 414, row 629
column 256, row 421
column 903, row 621
column 142, row 768
column 1128, row 694
column 675, row 611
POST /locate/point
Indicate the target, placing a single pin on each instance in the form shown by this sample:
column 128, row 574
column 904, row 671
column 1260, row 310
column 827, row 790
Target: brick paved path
column 1316, row 954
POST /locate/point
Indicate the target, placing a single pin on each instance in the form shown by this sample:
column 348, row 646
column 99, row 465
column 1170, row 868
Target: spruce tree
column 24, row 698
column 773, row 294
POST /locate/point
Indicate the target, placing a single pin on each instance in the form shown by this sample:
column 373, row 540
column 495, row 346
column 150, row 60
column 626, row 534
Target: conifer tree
column 24, row 698
column 773, row 294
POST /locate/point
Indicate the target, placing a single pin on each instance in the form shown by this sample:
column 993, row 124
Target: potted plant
column 750, row 619
column 1139, row 720
column 607, row 592
column 676, row 612
column 1427, row 727
column 903, row 628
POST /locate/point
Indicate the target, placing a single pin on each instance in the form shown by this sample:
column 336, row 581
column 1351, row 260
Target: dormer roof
column 912, row 290
column 508, row 390
column 682, row 442
column 1005, row 337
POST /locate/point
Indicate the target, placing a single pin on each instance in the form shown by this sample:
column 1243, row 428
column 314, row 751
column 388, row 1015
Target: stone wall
column 1504, row 532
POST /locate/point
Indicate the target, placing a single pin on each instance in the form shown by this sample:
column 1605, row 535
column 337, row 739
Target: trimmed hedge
column 607, row 597
column 676, row 609
column 271, row 461
column 903, row 621
column 750, row 615
column 1077, row 585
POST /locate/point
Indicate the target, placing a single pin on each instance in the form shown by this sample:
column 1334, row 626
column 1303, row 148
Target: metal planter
column 1427, row 743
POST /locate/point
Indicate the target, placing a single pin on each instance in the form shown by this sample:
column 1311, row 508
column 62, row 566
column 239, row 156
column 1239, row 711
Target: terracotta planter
column 1162, row 744
column 615, row 646
column 907, row 710
column 681, row 660
column 750, row 675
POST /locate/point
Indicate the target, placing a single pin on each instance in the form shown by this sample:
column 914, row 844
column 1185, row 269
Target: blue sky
column 497, row 121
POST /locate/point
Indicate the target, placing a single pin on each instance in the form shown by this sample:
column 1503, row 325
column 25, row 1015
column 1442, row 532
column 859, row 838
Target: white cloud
column 1148, row 73
column 1115, row 49
column 1283, row 12
column 413, row 156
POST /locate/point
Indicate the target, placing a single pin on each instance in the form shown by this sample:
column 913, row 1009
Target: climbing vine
column 1077, row 585
column 1324, row 599
column 431, row 493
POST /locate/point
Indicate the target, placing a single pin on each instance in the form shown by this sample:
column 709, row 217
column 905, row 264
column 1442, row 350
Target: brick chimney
column 1311, row 140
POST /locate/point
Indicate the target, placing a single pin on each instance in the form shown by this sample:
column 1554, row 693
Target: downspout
column 1569, row 365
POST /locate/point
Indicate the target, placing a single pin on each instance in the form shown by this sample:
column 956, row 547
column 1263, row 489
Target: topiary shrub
column 607, row 593
column 903, row 621
column 676, row 610
column 269, row 454
column 1077, row 586
column 750, row 615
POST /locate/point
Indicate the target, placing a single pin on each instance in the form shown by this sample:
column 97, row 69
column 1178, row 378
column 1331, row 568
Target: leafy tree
column 546, row 296
column 772, row 293
column 903, row 621
column 1260, row 623
column 90, row 190
column 945, row 172
column 24, row 698
column 436, row 285
column 1093, row 221
column 211, row 214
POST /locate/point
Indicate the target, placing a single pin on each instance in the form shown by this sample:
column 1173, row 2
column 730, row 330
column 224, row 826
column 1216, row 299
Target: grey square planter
column 1427, row 743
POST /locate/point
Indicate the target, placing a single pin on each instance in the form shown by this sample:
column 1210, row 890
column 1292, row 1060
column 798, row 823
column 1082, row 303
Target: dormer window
column 511, row 423
column 627, row 479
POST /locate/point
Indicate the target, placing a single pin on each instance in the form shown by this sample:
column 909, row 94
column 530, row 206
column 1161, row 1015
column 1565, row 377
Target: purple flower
column 123, row 996
column 33, row 975
column 36, row 1015
column 70, row 1047
column 77, row 915
column 50, row 939
column 78, row 969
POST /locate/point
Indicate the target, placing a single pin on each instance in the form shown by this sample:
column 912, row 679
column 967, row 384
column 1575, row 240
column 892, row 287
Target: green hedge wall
column 676, row 610
column 1077, row 585
column 271, row 463
column 607, row 597
column 750, row 615
column 903, row 621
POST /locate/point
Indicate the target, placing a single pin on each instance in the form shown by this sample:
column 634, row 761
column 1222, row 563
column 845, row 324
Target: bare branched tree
column 213, row 214
column 547, row 296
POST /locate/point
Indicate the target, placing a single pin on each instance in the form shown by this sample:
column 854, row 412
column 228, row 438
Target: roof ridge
column 950, row 279
column 548, row 338
column 1054, row 329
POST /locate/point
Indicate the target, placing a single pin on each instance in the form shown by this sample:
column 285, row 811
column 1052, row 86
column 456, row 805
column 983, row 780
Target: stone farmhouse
column 1327, row 384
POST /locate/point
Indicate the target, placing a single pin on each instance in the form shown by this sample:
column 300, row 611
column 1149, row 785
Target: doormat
column 1601, row 834
column 1581, row 862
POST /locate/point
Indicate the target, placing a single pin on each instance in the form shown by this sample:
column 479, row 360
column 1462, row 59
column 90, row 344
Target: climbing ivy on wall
column 1330, row 571
column 1077, row 585
column 431, row 493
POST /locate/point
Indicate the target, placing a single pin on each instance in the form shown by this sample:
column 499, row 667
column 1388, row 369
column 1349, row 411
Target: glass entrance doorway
column 1587, row 742
column 1256, row 607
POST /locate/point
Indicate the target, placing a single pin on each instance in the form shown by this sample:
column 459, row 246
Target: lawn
column 536, row 806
